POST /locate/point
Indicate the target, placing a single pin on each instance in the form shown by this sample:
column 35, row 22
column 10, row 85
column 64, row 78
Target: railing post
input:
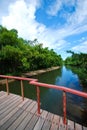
column 38, row 99
column 22, row 90
column 7, row 87
column 64, row 107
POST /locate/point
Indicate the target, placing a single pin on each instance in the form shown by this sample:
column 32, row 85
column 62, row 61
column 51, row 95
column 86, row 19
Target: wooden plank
column 5, row 114
column 49, row 117
column 29, row 108
column 70, row 125
column 31, row 124
column 8, row 116
column 78, row 126
column 2, row 93
column 55, row 123
column 17, row 122
column 39, row 124
column 41, row 120
column 23, row 103
column 8, row 97
column 56, row 119
column 8, row 104
column 12, row 106
column 48, row 121
column 5, row 98
column 25, row 122
column 61, row 125
column 11, row 120
column 26, row 105
column 44, row 114
column 46, row 125
column 34, row 109
column 54, row 127
column 9, row 100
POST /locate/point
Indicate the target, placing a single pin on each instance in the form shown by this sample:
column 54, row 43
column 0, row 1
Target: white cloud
column 82, row 39
column 81, row 47
column 69, row 2
column 76, row 21
column 57, row 5
column 22, row 17
column 79, row 17
column 54, row 8
column 61, row 45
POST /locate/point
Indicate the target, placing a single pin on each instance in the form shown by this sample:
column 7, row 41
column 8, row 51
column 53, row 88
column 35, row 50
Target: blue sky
column 58, row 24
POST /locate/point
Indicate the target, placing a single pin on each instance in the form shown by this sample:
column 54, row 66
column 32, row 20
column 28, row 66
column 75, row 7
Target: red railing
column 38, row 85
column 64, row 89
column 17, row 78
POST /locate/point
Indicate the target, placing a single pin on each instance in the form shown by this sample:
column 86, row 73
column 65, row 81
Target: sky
column 58, row 24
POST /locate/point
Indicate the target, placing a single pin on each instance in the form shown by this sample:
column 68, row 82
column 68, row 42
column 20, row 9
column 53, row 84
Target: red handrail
column 17, row 78
column 62, row 88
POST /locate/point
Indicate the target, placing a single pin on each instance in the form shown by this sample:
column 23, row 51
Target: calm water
column 51, row 99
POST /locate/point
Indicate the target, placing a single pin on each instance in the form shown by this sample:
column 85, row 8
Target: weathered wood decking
column 16, row 114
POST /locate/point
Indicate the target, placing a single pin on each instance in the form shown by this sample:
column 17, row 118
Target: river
column 51, row 99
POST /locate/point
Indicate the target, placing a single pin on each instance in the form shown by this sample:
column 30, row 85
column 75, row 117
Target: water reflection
column 76, row 106
column 82, row 74
column 68, row 79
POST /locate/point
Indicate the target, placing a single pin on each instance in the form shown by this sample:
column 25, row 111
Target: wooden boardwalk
column 16, row 114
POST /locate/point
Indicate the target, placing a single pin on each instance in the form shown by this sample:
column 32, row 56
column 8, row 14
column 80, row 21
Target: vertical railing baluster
column 7, row 87
column 22, row 90
column 64, row 107
column 38, row 99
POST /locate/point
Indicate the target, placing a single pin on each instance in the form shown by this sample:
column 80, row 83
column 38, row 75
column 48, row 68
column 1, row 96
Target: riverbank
column 3, row 81
column 37, row 72
column 30, row 74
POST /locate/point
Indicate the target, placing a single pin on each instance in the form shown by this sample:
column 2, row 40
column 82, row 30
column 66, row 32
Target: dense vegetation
column 79, row 63
column 77, row 59
column 19, row 55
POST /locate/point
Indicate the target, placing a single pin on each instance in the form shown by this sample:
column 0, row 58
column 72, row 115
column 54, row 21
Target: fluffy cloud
column 54, row 8
column 82, row 47
column 79, row 17
column 57, row 5
column 22, row 17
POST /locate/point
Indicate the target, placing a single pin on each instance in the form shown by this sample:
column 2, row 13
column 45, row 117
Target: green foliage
column 10, row 59
column 19, row 55
column 77, row 60
column 8, row 37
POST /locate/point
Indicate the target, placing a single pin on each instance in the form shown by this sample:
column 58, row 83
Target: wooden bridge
column 19, row 113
